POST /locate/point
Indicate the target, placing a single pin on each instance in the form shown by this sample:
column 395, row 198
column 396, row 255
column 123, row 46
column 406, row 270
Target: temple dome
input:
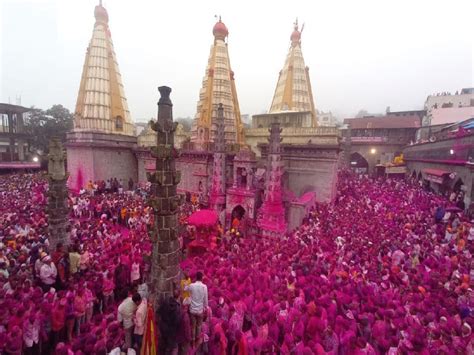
column 220, row 30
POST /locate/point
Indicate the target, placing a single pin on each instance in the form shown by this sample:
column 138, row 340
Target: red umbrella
column 203, row 218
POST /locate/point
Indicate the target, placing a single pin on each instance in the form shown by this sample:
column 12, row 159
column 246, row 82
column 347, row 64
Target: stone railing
column 231, row 148
column 297, row 131
column 378, row 140
column 449, row 151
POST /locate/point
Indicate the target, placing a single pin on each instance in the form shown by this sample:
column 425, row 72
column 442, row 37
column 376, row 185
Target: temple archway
column 359, row 163
column 238, row 212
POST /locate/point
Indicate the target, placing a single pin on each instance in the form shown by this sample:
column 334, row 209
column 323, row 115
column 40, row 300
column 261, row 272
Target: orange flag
column 150, row 336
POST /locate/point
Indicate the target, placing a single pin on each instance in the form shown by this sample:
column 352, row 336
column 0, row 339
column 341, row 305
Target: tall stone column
column 271, row 216
column 58, row 208
column 164, row 201
column 217, row 200
column 347, row 148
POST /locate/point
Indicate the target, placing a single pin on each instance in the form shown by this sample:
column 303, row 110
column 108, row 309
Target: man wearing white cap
column 48, row 273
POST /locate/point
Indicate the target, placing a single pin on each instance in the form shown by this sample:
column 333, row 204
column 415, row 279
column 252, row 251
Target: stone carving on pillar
column 271, row 216
column 58, row 208
column 164, row 201
column 217, row 200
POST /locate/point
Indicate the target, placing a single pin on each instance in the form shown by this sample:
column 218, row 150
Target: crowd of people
column 68, row 300
column 378, row 272
column 387, row 268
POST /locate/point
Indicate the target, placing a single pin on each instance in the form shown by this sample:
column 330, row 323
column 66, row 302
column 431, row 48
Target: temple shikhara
column 101, row 144
column 218, row 87
column 293, row 91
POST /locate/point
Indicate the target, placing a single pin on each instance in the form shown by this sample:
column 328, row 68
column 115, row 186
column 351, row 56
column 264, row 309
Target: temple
column 218, row 87
column 101, row 143
column 309, row 152
column 293, row 104
column 293, row 91
column 262, row 182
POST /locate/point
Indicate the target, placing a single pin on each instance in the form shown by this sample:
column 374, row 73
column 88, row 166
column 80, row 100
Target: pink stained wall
column 451, row 115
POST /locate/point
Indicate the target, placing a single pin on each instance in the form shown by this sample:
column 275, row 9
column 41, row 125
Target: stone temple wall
column 95, row 157
column 195, row 167
column 309, row 168
column 316, row 175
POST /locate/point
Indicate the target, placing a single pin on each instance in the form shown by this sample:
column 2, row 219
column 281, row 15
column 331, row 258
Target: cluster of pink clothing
column 78, row 313
column 371, row 274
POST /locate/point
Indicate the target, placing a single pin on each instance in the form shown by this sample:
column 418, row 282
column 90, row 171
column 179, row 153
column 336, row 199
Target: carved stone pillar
column 271, row 216
column 217, row 199
column 58, row 208
column 164, row 201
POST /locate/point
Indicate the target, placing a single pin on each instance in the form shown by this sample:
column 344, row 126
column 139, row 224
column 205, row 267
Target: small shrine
column 241, row 197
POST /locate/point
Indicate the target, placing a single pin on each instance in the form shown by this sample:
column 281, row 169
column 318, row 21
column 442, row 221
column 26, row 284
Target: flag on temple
column 150, row 336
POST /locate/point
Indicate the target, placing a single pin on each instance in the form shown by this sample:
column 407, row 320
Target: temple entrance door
column 359, row 164
column 237, row 217
column 238, row 212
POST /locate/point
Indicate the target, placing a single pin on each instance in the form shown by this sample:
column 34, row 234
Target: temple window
column 119, row 123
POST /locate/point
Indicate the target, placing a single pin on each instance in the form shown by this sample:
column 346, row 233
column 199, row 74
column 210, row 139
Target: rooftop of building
column 464, row 91
column 388, row 121
column 9, row 108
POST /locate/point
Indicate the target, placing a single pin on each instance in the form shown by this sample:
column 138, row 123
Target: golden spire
column 101, row 103
column 218, row 86
column 293, row 91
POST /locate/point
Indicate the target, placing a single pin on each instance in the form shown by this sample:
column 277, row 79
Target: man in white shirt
column 48, row 273
column 198, row 307
column 31, row 329
column 139, row 321
column 126, row 312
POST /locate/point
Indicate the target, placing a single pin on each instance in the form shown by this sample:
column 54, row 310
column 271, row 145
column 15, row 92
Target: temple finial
column 296, row 24
column 100, row 2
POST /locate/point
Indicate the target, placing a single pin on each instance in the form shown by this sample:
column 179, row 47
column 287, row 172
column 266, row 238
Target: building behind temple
column 376, row 140
column 442, row 156
column 14, row 153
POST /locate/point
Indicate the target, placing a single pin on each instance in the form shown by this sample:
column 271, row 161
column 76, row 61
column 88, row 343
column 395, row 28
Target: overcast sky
column 361, row 54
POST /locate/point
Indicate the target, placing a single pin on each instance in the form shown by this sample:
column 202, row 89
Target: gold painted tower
column 293, row 91
column 101, row 144
column 218, row 86
column 292, row 105
column 101, row 104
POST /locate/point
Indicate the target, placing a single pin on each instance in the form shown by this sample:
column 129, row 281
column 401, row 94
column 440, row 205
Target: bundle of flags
column 150, row 336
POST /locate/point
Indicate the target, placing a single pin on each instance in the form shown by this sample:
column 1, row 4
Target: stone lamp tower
column 58, row 208
column 164, row 201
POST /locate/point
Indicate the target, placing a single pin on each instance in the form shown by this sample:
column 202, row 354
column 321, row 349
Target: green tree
column 43, row 125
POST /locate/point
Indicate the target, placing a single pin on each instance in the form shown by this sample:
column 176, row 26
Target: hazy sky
column 361, row 54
